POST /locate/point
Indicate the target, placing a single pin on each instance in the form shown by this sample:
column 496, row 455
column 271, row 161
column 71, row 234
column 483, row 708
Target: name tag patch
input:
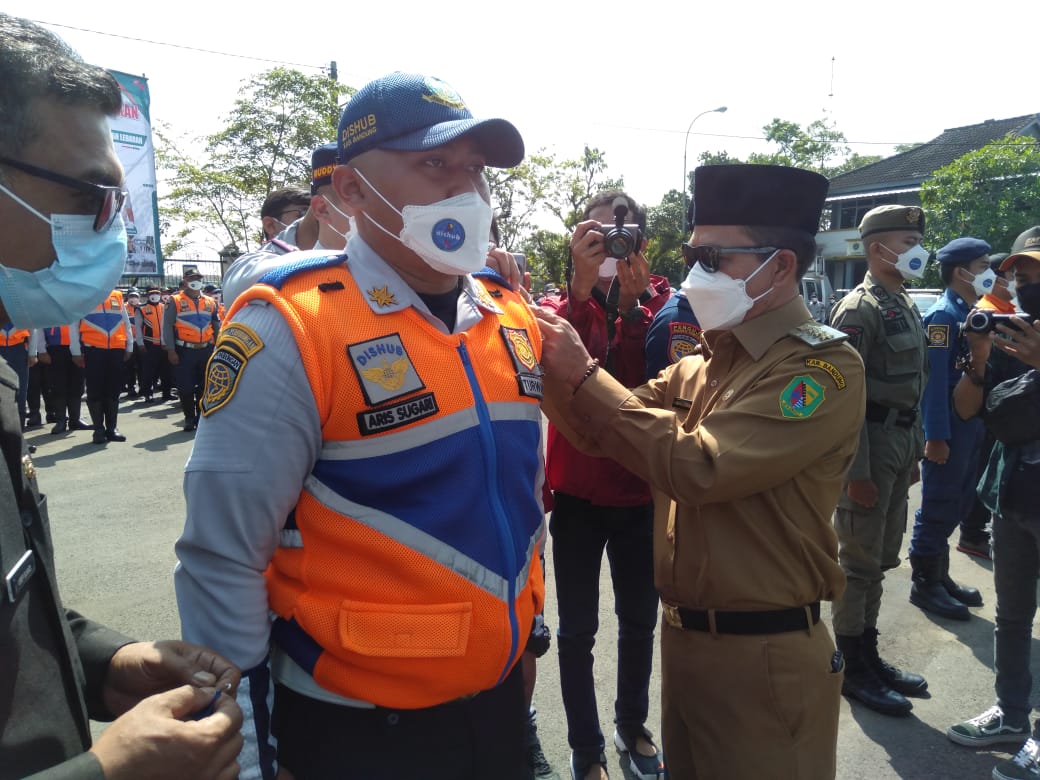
column 528, row 372
column 19, row 576
column 384, row 369
column 386, row 418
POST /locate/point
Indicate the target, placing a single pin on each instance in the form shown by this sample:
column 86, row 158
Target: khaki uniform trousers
column 749, row 707
column 870, row 539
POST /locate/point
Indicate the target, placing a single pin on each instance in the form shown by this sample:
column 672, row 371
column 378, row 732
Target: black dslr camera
column 987, row 321
column 619, row 239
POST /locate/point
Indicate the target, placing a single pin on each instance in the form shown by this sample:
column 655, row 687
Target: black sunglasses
column 709, row 255
column 110, row 199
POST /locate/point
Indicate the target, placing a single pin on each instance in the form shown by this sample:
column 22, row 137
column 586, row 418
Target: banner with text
column 132, row 136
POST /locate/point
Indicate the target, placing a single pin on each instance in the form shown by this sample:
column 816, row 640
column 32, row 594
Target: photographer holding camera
column 1003, row 387
column 610, row 301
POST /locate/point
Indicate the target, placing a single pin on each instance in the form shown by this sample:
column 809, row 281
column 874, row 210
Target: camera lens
column 979, row 322
column 619, row 243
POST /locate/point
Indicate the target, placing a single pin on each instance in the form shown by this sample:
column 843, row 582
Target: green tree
column 279, row 117
column 992, row 193
column 665, row 227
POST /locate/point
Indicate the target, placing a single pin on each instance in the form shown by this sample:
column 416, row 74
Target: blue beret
column 962, row 250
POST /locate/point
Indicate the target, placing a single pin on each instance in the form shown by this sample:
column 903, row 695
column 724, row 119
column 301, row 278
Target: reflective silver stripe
column 521, row 578
column 427, row 433
column 291, row 538
column 411, row 537
column 401, row 441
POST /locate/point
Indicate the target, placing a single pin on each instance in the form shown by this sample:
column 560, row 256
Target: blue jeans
column 1016, row 566
column 580, row 533
column 947, row 490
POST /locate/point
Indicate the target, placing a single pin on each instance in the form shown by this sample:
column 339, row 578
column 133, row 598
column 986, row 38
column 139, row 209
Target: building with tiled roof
column 898, row 179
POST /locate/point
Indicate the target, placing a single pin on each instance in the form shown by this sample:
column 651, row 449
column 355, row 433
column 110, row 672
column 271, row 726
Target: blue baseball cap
column 408, row 112
column 323, row 160
column 962, row 250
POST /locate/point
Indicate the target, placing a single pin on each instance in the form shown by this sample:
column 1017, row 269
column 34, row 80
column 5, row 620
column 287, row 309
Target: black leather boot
column 970, row 597
column 927, row 591
column 111, row 413
column 906, row 683
column 97, row 420
column 190, row 419
column 863, row 683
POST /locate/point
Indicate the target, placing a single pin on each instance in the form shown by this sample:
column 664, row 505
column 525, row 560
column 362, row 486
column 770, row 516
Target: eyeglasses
column 297, row 212
column 110, row 199
column 709, row 255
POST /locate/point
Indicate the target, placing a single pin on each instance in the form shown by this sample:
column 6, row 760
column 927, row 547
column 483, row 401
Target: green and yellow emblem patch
column 801, row 398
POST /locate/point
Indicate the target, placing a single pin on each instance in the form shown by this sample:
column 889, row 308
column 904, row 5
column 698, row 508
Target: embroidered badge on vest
column 683, row 338
column 382, row 297
column 802, row 396
column 384, row 369
column 939, row 336
column 528, row 372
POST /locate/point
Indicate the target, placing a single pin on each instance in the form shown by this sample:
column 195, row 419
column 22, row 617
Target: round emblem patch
column 448, row 235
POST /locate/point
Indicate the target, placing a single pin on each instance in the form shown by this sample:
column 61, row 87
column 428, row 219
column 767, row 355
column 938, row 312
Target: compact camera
column 621, row 240
column 987, row 321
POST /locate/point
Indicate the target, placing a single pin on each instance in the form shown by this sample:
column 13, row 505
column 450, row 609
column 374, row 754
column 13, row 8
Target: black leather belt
column 774, row 621
column 193, row 345
column 878, row 413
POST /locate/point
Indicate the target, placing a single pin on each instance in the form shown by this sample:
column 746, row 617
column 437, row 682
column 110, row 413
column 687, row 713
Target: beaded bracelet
column 588, row 372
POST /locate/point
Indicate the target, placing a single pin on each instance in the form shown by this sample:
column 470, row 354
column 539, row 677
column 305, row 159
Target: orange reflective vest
column 194, row 323
column 411, row 558
column 11, row 336
column 151, row 322
column 103, row 327
column 993, row 303
column 57, row 336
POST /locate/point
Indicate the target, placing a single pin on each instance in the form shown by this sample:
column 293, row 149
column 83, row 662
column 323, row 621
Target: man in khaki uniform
column 746, row 444
column 884, row 325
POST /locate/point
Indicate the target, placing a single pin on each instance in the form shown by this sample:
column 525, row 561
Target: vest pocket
column 405, row 630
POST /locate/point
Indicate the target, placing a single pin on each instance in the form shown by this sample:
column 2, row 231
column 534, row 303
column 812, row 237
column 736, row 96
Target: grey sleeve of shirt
column 243, row 477
column 169, row 316
column 246, row 271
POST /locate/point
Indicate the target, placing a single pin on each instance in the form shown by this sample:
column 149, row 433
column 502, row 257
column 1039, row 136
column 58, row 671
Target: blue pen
column 206, row 711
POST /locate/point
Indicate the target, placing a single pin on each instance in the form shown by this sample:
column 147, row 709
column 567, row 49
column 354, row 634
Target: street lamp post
column 686, row 171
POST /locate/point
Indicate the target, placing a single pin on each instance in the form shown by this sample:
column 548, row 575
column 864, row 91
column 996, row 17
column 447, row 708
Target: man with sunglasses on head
column 884, row 326
column 64, row 250
column 745, row 444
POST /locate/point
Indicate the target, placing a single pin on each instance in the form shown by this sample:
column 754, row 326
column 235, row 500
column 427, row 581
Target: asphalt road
column 117, row 509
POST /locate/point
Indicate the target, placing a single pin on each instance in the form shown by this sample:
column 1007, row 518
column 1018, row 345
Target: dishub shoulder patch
column 235, row 346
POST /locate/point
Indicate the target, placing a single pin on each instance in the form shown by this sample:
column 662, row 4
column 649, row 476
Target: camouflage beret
column 882, row 219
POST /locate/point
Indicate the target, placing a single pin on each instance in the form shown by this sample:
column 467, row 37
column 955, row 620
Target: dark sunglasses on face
column 709, row 255
column 110, row 199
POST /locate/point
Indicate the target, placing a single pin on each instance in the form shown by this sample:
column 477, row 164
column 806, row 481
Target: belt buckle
column 671, row 615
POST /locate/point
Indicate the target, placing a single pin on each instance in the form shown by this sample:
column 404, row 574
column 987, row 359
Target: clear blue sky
column 626, row 78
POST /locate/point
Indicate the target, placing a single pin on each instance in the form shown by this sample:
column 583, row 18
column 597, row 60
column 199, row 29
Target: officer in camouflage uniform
column 884, row 325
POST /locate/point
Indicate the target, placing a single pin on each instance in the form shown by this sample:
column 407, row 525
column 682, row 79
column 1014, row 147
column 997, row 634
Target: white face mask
column 350, row 220
column 451, row 236
column 195, row 285
column 718, row 300
column 154, row 298
column 910, row 263
column 1011, row 289
column 608, row 268
column 982, row 283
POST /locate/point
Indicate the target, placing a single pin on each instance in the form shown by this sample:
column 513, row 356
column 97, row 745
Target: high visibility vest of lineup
column 151, row 322
column 103, row 327
column 57, row 336
column 194, row 323
column 10, row 335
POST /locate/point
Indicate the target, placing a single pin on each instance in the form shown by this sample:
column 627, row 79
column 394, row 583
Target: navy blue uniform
column 947, row 490
column 673, row 334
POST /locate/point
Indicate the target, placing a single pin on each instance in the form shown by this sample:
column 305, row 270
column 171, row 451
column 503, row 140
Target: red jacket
column 601, row 480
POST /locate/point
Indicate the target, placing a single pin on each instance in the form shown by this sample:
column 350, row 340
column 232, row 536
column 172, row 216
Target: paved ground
column 117, row 509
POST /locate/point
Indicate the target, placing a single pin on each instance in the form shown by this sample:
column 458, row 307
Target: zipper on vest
column 505, row 538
